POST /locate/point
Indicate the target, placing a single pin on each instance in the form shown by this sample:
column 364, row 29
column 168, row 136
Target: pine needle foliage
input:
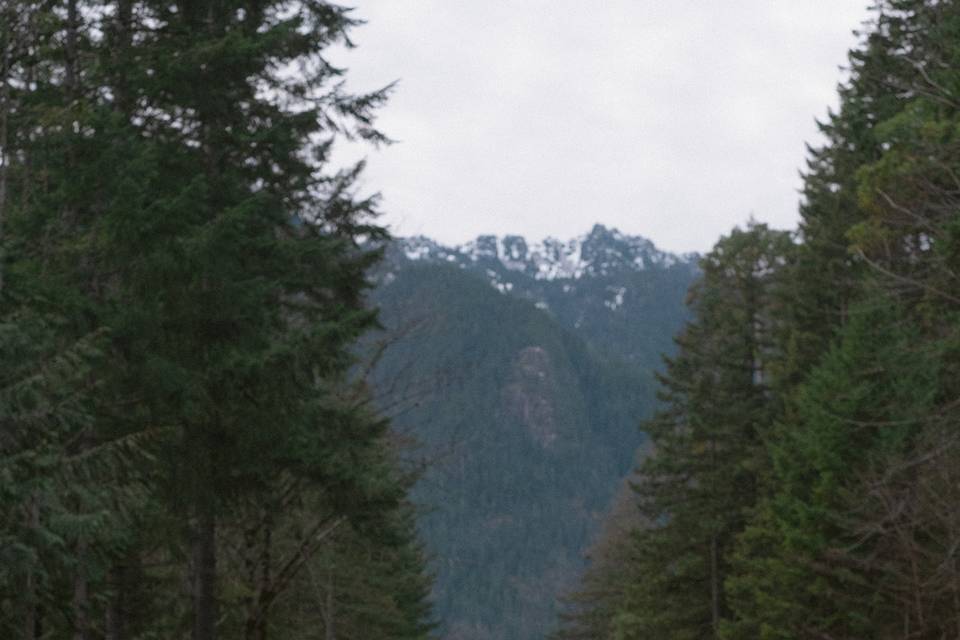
column 813, row 505
column 184, row 279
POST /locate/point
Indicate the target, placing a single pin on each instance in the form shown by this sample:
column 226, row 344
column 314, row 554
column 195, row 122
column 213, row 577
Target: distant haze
column 670, row 119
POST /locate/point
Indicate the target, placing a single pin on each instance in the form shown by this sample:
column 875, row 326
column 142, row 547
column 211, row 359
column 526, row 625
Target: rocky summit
column 606, row 286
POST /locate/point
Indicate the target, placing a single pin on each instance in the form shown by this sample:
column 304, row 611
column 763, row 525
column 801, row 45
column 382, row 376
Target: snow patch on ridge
column 617, row 302
column 600, row 252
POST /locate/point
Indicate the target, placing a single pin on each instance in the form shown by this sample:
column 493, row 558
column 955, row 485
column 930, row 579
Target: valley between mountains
column 522, row 370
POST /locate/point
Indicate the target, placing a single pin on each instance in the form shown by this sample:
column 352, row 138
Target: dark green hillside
column 619, row 293
column 531, row 429
column 640, row 329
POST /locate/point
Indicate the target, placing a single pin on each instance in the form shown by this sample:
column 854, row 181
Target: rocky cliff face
column 526, row 397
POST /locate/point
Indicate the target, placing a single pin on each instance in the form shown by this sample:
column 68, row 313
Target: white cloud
column 671, row 119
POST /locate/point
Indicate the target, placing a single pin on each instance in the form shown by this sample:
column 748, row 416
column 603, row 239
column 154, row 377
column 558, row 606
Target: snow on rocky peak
column 602, row 251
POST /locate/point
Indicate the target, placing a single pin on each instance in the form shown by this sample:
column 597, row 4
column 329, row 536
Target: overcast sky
column 672, row 119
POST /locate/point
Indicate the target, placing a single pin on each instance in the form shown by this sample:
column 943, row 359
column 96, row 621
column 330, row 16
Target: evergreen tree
column 702, row 477
column 845, row 530
column 796, row 582
column 166, row 190
column 830, row 206
column 857, row 409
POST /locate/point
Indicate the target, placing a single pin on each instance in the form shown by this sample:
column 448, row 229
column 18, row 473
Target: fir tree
column 857, row 409
column 167, row 190
column 702, row 478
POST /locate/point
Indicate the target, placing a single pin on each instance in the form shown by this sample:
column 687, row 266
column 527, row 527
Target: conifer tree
column 846, row 532
column 167, row 191
column 796, row 582
column 702, row 477
column 857, row 409
column 830, row 206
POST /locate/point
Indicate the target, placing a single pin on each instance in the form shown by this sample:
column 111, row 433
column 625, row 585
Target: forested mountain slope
column 501, row 362
column 618, row 292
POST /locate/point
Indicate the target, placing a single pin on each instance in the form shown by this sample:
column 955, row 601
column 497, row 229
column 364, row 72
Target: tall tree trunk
column 956, row 599
column 32, row 619
column 115, row 614
column 30, row 615
column 330, row 631
column 264, row 588
column 714, row 557
column 71, row 49
column 204, row 594
column 121, row 50
column 6, row 63
column 260, row 541
column 73, row 93
column 81, row 596
column 714, row 584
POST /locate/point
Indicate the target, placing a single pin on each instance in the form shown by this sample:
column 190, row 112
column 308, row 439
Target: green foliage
column 815, row 505
column 857, row 410
column 183, row 285
column 702, row 477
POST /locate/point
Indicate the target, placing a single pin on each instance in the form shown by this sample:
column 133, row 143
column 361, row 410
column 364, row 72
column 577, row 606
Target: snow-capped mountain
column 601, row 252
column 598, row 285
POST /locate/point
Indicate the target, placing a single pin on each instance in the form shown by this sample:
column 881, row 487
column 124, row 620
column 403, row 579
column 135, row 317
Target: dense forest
column 521, row 384
column 197, row 438
column 803, row 475
column 186, row 447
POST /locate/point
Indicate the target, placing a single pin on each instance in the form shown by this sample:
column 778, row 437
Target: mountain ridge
column 600, row 252
column 597, row 285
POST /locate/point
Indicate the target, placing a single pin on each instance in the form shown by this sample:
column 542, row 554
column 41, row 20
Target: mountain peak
column 600, row 231
column 602, row 251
